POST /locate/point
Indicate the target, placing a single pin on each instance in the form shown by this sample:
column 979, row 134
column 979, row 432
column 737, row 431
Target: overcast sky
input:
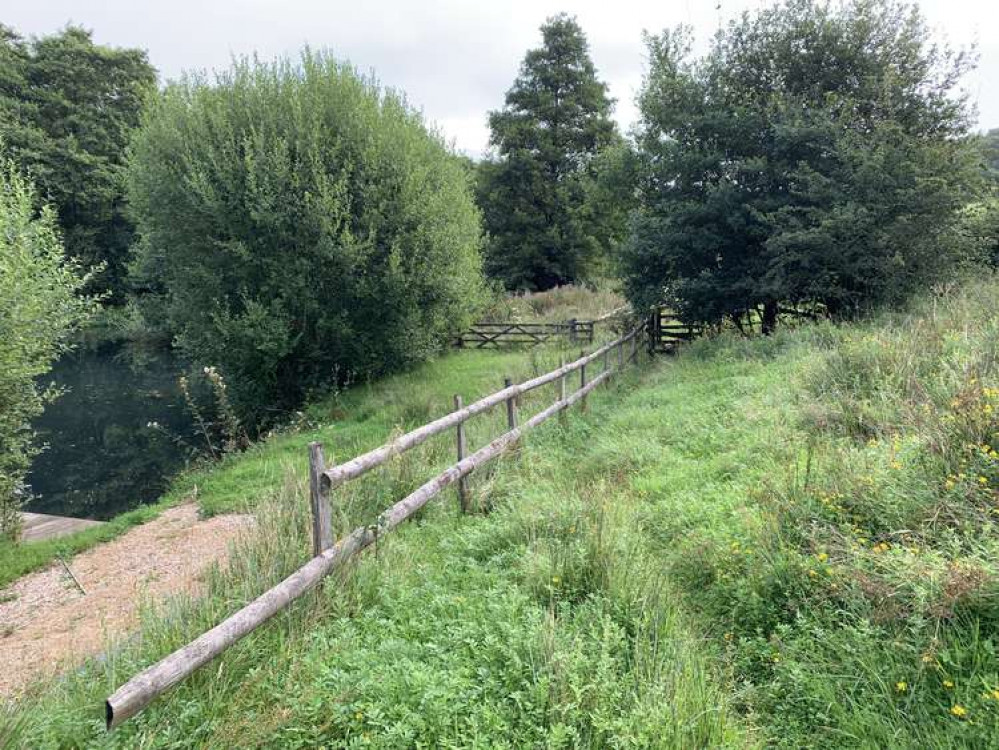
column 454, row 59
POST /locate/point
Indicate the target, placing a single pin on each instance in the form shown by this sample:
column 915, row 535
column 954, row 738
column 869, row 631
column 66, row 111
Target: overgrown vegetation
column 40, row 307
column 304, row 227
column 556, row 305
column 786, row 541
column 818, row 154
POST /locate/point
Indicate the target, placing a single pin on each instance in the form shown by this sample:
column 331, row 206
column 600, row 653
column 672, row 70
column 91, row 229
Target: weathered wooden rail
column 143, row 688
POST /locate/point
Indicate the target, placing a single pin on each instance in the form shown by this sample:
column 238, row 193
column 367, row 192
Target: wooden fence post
column 319, row 493
column 582, row 382
column 462, row 450
column 561, row 388
column 511, row 407
column 572, row 331
column 620, row 356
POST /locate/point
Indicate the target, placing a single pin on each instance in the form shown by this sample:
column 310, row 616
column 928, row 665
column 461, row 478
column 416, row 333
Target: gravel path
column 47, row 624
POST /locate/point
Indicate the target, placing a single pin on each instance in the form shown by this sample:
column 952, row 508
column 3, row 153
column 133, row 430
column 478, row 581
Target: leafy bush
column 302, row 226
column 39, row 308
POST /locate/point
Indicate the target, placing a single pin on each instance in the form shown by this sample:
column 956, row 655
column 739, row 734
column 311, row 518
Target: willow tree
column 40, row 307
column 302, row 226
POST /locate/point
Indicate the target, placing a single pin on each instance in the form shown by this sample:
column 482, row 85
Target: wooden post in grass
column 319, row 495
column 511, row 407
column 462, row 450
column 582, row 380
column 561, row 389
column 620, row 356
column 572, row 331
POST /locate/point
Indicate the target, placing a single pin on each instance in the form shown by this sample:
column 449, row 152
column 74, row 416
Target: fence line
column 143, row 688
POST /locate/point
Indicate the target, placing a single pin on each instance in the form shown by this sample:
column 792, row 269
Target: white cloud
column 455, row 59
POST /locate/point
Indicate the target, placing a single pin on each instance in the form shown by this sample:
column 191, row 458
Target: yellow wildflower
column 556, row 580
column 958, row 710
column 358, row 716
column 901, row 686
column 949, row 684
column 995, row 693
column 823, row 557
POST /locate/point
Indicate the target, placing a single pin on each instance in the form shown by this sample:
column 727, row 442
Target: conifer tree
column 545, row 229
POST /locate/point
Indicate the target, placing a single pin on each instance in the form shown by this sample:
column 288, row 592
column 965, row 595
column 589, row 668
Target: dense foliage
column 303, row 227
column 40, row 306
column 67, row 108
column 816, row 154
column 547, row 224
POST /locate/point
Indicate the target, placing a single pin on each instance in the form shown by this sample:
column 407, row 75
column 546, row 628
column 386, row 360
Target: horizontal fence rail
column 143, row 688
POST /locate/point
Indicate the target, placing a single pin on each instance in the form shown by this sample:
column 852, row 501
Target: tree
column 67, row 109
column 536, row 195
column 304, row 226
column 817, row 154
column 40, row 306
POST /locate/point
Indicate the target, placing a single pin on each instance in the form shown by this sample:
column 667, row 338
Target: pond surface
column 117, row 435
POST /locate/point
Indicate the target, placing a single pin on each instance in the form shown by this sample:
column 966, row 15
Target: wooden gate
column 667, row 331
column 488, row 335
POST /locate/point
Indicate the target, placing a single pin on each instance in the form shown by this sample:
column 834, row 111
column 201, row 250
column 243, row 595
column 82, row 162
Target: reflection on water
column 116, row 437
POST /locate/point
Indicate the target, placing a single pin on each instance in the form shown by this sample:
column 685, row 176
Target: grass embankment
column 556, row 305
column 786, row 542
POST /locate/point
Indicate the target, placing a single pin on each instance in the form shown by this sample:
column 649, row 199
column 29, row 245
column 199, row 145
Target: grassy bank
column 785, row 542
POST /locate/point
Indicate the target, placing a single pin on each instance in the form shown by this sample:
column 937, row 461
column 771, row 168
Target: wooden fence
column 496, row 334
column 667, row 332
column 487, row 335
column 144, row 687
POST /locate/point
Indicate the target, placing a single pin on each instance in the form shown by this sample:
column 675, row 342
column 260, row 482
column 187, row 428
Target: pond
column 117, row 435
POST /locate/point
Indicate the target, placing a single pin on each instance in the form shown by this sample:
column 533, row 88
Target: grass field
column 784, row 542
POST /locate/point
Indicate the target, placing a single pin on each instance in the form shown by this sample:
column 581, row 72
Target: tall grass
column 784, row 542
column 540, row 623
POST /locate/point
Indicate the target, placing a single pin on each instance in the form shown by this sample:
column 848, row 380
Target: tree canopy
column 40, row 306
column 67, row 109
column 304, row 227
column 817, row 153
column 546, row 228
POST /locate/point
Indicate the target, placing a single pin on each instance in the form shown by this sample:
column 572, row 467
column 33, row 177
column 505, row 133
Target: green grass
column 556, row 305
column 787, row 542
column 357, row 419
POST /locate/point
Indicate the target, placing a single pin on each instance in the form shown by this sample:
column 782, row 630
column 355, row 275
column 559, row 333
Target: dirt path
column 47, row 624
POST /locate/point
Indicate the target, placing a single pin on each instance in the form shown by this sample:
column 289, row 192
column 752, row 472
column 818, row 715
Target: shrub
column 302, row 226
column 39, row 308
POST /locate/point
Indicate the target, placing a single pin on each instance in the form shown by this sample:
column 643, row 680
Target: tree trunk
column 769, row 317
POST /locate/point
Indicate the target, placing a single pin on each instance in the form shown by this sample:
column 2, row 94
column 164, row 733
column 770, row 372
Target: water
column 103, row 457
